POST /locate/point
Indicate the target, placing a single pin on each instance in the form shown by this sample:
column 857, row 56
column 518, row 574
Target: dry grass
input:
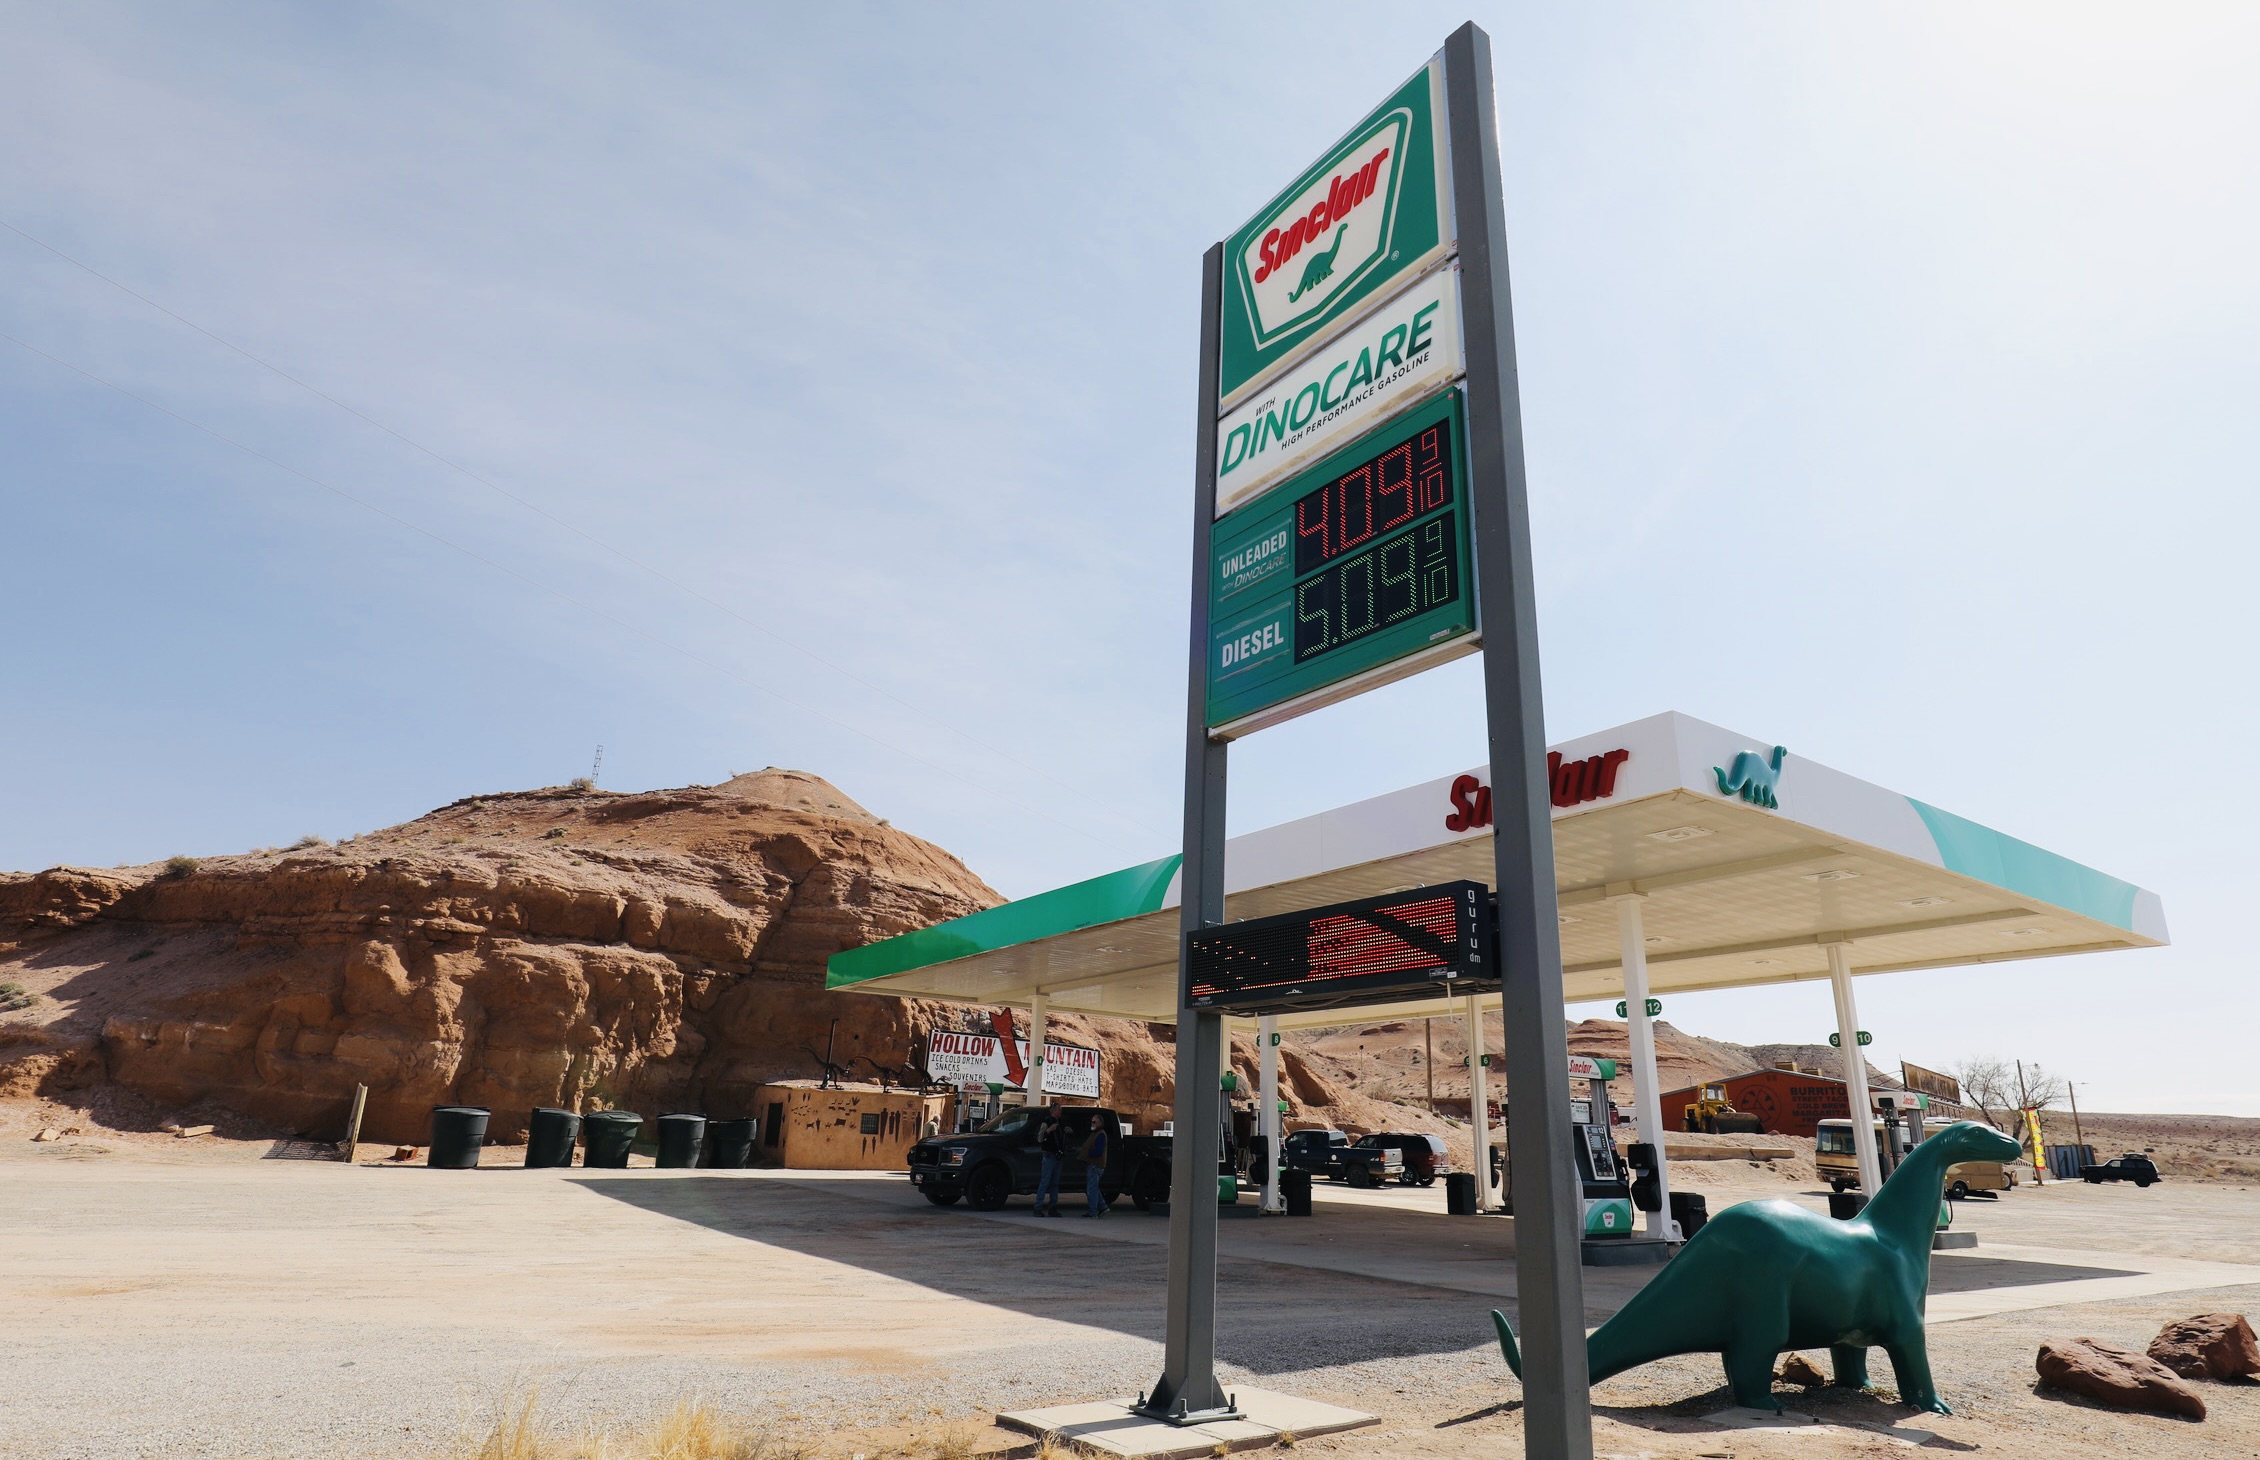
column 692, row 1430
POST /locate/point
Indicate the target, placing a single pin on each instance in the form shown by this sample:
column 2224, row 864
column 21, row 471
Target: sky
column 399, row 402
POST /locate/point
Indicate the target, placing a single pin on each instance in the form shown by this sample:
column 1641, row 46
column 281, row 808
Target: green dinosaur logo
column 1321, row 265
column 1753, row 778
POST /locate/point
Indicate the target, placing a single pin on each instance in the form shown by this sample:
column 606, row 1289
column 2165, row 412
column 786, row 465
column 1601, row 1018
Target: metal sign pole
column 1187, row 1392
column 1549, row 1277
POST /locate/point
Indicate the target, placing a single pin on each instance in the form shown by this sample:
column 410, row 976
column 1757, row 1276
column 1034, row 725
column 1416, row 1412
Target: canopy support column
column 1647, row 1104
column 1855, row 1069
column 1267, row 1107
column 1479, row 1102
column 1038, row 1009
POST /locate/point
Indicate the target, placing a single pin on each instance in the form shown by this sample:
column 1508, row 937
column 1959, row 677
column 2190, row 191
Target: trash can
column 607, row 1136
column 550, row 1135
column 1294, row 1189
column 679, row 1139
column 1691, row 1209
column 729, row 1143
column 1459, row 1193
column 457, row 1133
column 1845, row 1205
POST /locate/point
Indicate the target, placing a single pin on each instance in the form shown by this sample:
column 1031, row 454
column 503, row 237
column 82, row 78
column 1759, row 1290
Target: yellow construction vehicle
column 1711, row 1112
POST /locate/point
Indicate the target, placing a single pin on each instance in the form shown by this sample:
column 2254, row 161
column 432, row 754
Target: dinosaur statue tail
column 1507, row 1344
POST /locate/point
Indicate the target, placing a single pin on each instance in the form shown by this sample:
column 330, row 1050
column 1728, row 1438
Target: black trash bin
column 729, row 1143
column 1294, row 1189
column 1691, row 1209
column 457, row 1133
column 1459, row 1193
column 607, row 1135
column 550, row 1135
column 679, row 1139
column 1845, row 1205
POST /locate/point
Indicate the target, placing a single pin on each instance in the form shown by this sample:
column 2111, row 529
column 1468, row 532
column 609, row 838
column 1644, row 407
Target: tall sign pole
column 1549, row 1275
column 1187, row 1392
column 1360, row 422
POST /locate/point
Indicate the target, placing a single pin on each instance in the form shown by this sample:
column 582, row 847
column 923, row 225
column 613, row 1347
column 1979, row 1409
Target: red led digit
column 1396, row 490
column 1435, row 485
column 1312, row 520
column 1355, row 493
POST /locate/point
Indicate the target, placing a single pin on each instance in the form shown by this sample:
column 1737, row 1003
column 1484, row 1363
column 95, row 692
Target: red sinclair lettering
column 1471, row 805
column 1568, row 784
column 1583, row 780
column 1342, row 195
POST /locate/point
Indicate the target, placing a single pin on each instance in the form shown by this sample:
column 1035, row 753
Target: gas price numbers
column 1354, row 565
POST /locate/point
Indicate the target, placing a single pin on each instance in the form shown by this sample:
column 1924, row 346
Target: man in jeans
column 1093, row 1150
column 1051, row 1140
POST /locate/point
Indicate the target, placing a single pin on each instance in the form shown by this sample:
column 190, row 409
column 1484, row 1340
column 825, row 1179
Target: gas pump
column 1607, row 1185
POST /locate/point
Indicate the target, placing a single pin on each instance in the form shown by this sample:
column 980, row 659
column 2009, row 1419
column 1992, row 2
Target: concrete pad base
column 1790, row 1419
column 1107, row 1427
column 1632, row 1252
column 1942, row 1241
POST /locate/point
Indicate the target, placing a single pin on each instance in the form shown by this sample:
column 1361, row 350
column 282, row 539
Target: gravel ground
column 194, row 1300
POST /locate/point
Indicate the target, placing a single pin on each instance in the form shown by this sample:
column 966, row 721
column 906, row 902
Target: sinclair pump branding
column 1368, row 215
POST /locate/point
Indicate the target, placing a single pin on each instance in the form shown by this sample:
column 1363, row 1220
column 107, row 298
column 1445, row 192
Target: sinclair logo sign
column 1367, row 215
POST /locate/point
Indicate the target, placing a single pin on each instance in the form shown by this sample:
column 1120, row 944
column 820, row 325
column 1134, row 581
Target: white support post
column 1037, row 1010
column 1647, row 1103
column 1479, row 1103
column 1267, row 1107
column 1855, row 1069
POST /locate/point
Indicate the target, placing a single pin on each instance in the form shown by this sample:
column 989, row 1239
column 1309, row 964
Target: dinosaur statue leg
column 1760, row 1336
column 1851, row 1364
column 1909, row 1352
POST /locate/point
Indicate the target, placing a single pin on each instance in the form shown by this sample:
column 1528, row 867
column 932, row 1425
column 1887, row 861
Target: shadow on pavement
column 1272, row 1318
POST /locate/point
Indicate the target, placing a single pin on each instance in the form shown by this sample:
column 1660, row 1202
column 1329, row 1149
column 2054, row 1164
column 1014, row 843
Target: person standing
column 1051, row 1142
column 1093, row 1150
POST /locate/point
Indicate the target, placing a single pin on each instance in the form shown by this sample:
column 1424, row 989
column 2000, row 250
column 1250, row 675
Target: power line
column 534, row 583
column 551, row 517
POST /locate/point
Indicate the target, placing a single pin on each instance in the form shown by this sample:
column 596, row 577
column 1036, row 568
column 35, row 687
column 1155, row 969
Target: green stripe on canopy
column 1981, row 852
column 1128, row 893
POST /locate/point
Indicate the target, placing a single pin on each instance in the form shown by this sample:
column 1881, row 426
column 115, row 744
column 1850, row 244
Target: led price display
column 1375, row 950
column 1345, row 569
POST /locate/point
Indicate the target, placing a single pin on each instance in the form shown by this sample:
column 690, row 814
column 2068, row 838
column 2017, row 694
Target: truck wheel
column 1960, row 1190
column 1838, row 1184
column 988, row 1189
column 942, row 1198
column 2143, row 1182
column 1361, row 1177
column 1151, row 1186
column 2092, row 1180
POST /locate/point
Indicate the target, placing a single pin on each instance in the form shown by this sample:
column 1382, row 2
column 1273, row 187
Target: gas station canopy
column 1734, row 891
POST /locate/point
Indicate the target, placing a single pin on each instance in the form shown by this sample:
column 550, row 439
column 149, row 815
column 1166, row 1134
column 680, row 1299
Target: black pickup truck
column 1329, row 1153
column 990, row 1165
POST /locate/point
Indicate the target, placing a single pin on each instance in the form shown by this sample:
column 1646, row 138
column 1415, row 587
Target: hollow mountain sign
column 1370, row 213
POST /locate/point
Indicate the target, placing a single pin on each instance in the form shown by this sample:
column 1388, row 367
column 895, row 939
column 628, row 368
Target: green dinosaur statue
column 1753, row 777
column 1766, row 1277
column 1321, row 265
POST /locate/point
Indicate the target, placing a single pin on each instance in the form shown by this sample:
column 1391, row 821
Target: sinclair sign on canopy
column 1372, row 212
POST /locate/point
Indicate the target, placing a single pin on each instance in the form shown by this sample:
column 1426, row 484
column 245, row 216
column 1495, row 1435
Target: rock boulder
column 2208, row 1346
column 2117, row 1377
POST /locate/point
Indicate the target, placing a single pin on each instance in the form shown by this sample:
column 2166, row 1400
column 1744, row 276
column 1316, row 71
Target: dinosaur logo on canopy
column 1753, row 778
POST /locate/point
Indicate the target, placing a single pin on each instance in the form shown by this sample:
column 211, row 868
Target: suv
column 1328, row 1153
column 998, row 1160
column 2133, row 1166
column 1425, row 1157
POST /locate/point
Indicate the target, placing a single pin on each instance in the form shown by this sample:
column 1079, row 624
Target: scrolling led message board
column 1430, row 941
column 1343, row 577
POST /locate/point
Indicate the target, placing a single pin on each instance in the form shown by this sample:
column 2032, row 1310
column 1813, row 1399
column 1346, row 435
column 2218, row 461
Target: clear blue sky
column 1889, row 379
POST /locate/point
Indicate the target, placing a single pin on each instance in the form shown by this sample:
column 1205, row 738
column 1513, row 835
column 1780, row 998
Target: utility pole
column 598, row 767
column 1428, row 1059
column 2073, row 1091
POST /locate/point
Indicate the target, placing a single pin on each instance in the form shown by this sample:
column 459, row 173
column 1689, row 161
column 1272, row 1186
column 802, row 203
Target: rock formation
column 2118, row 1377
column 651, row 951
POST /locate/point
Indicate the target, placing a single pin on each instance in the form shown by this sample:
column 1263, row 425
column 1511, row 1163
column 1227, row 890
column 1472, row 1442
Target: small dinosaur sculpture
column 1321, row 266
column 1753, row 778
column 1766, row 1277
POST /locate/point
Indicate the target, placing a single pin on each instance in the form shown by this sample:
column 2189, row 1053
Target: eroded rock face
column 2117, row 1377
column 661, row 950
column 2208, row 1346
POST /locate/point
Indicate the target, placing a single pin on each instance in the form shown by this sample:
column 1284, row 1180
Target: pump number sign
column 1345, row 576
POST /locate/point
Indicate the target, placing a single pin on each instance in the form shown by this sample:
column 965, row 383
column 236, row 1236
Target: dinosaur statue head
column 1780, row 754
column 1967, row 1140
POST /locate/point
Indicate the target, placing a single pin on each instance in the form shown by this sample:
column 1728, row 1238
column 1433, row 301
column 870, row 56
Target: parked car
column 1980, row 1178
column 2133, row 1166
column 1331, row 1154
column 1425, row 1157
column 998, row 1160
